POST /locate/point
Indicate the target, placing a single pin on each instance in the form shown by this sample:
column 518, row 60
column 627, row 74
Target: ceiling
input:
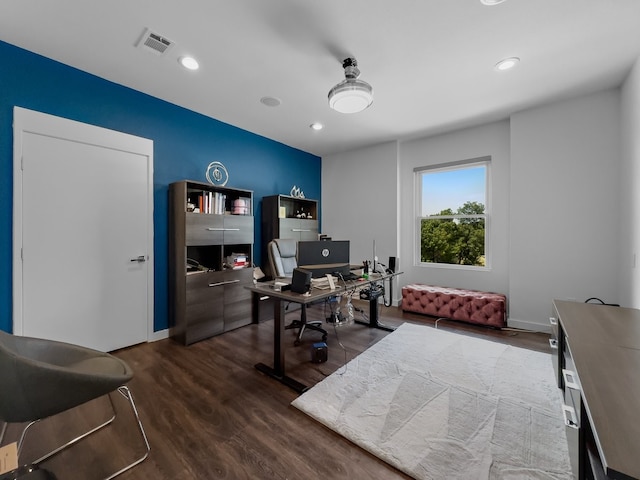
column 430, row 62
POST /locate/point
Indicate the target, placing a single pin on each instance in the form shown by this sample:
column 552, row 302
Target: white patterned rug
column 438, row 405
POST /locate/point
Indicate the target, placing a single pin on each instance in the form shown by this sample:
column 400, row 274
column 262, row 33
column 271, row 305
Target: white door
column 83, row 203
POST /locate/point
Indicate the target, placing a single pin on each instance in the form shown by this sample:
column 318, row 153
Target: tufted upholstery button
column 484, row 308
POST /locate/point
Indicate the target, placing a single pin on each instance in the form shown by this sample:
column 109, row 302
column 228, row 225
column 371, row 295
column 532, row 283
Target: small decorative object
column 296, row 192
column 217, row 174
column 240, row 206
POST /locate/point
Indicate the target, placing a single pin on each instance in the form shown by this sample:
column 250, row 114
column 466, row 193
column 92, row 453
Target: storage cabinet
column 554, row 344
column 599, row 356
column 284, row 216
column 210, row 259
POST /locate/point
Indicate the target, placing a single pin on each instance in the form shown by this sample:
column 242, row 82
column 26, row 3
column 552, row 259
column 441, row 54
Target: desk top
column 342, row 287
column 604, row 342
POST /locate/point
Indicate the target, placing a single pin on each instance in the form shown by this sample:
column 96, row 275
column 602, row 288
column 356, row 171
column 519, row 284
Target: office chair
column 41, row 378
column 282, row 262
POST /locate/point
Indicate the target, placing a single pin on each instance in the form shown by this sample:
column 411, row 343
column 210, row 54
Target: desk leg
column 255, row 307
column 373, row 317
column 277, row 371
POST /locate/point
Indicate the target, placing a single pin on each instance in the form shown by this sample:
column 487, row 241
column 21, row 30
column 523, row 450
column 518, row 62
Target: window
column 452, row 214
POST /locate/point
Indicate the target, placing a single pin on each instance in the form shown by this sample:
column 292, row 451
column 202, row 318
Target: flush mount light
column 316, row 126
column 507, row 63
column 491, row 2
column 189, row 63
column 351, row 95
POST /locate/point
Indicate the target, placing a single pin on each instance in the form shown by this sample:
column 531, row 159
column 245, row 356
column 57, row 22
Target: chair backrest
column 40, row 377
column 282, row 256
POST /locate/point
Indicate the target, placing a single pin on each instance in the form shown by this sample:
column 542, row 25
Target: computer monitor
column 324, row 256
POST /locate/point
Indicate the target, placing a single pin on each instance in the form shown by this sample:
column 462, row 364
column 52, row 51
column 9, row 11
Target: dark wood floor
column 209, row 414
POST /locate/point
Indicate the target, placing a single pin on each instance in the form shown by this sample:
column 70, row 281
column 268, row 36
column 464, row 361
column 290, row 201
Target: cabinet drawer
column 572, row 410
column 204, row 229
column 201, row 286
column 204, row 313
column 298, row 228
column 238, row 229
column 204, row 320
column 237, row 299
column 201, row 330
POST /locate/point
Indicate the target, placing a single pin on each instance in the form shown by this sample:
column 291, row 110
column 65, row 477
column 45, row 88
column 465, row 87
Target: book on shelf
column 210, row 202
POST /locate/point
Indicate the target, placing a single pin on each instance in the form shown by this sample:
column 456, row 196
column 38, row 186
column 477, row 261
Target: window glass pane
column 452, row 207
column 452, row 188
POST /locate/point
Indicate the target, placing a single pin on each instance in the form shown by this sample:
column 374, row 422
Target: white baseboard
column 159, row 335
column 531, row 326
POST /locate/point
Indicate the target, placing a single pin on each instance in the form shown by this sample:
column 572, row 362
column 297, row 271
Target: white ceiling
column 430, row 62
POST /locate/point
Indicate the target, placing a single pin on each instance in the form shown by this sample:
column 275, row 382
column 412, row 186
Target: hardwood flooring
column 209, row 414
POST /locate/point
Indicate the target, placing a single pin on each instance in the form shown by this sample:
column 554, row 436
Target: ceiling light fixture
column 189, row 63
column 491, row 2
column 316, row 126
column 351, row 95
column 507, row 63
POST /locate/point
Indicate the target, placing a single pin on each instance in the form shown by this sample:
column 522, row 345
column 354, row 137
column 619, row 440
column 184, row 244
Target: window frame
column 443, row 167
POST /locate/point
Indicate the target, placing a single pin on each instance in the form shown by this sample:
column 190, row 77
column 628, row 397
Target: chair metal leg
column 126, row 393
column 4, row 430
column 71, row 442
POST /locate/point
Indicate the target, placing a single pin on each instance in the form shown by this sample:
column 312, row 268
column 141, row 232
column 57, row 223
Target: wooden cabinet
column 210, row 259
column 599, row 356
column 284, row 216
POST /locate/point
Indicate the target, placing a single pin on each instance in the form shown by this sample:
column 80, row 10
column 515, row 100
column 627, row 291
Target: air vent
column 154, row 42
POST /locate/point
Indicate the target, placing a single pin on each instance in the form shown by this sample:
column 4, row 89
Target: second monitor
column 324, row 256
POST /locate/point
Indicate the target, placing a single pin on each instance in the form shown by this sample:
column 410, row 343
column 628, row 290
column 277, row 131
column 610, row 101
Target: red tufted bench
column 457, row 304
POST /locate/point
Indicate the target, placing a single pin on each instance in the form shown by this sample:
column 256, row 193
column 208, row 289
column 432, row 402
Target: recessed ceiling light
column 270, row 101
column 316, row 126
column 491, row 2
column 189, row 63
column 507, row 63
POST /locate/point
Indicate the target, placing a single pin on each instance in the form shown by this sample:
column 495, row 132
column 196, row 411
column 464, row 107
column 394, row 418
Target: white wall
column 564, row 230
column 359, row 200
column 487, row 140
column 629, row 282
column 555, row 202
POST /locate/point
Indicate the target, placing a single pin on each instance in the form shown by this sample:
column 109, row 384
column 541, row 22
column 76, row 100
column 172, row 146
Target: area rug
column 439, row 405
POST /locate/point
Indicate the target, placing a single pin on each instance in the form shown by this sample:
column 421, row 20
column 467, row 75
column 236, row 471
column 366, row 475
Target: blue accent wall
column 185, row 142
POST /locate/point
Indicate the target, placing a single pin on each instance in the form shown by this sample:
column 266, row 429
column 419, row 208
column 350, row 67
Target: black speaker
column 394, row 263
column 319, row 352
column 301, row 281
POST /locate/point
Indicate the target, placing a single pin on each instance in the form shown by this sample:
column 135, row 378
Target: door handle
column 570, row 379
column 570, row 417
column 226, row 282
column 139, row 259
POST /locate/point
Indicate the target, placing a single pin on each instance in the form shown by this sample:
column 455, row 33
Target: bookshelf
column 211, row 239
column 284, row 216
